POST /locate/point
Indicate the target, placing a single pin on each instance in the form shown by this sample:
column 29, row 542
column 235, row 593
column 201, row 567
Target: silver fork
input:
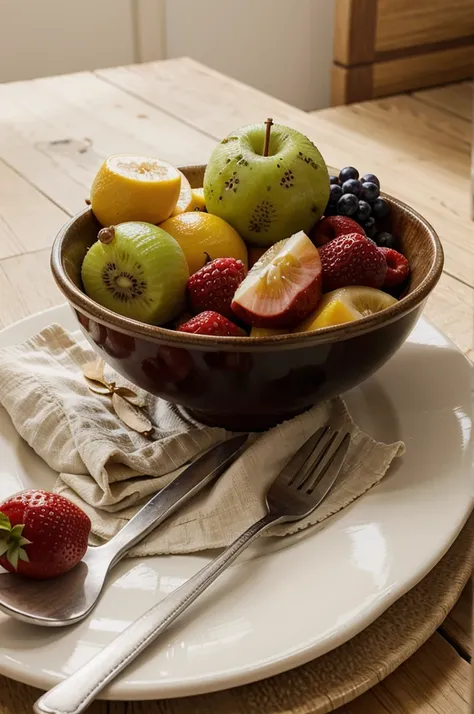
column 299, row 488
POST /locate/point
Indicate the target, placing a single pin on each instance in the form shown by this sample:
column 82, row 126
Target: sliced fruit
column 198, row 202
column 185, row 197
column 283, row 287
column 204, row 237
column 266, row 332
column 190, row 199
column 137, row 270
column 346, row 305
column 134, row 188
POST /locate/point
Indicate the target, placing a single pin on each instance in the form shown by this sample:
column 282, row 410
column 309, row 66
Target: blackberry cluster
column 359, row 198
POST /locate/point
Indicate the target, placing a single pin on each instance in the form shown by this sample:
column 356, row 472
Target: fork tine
column 298, row 460
column 314, row 458
column 327, row 470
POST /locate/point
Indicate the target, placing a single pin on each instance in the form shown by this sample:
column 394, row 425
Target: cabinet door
column 46, row 37
column 389, row 46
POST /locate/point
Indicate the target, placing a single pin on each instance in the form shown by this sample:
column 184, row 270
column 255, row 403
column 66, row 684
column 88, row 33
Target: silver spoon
column 298, row 489
column 70, row 597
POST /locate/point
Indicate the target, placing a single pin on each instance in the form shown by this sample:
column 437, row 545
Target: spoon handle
column 77, row 692
column 191, row 480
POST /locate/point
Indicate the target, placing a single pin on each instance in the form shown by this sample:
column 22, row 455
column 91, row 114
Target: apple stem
column 266, row 146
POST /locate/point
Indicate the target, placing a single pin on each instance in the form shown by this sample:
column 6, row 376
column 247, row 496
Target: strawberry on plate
column 214, row 285
column 332, row 227
column 211, row 323
column 42, row 534
column 352, row 260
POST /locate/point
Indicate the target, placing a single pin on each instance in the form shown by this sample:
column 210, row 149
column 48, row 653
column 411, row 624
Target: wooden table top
column 55, row 132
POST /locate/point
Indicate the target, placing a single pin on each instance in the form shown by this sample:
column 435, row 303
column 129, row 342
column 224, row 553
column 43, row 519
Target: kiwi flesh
column 137, row 270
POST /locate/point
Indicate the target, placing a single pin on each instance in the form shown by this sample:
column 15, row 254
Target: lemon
column 134, row 188
column 198, row 202
column 185, row 198
column 190, row 199
column 202, row 236
column 346, row 305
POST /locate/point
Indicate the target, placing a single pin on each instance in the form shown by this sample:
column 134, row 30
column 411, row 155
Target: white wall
column 44, row 37
column 283, row 47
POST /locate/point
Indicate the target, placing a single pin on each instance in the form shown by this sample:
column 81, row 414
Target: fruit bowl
column 249, row 383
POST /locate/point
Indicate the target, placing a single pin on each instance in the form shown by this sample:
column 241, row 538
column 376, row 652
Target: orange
column 134, row 188
column 201, row 235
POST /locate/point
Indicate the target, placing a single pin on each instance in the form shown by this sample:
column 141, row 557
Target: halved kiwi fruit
column 137, row 270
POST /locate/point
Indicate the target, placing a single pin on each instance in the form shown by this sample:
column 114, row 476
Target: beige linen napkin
column 110, row 470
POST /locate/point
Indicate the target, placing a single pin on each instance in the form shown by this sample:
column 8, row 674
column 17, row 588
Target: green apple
column 267, row 198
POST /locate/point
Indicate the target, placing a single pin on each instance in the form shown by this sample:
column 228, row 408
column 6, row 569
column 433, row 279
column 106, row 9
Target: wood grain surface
column 390, row 46
column 457, row 99
column 422, row 70
column 54, row 134
column 355, row 23
column 407, row 24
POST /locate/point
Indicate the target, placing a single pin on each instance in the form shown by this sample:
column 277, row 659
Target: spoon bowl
column 69, row 598
column 49, row 602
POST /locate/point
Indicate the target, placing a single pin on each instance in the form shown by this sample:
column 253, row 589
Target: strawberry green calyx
column 12, row 541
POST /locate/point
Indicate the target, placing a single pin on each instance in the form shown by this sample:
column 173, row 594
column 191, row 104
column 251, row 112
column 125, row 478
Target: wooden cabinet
column 383, row 47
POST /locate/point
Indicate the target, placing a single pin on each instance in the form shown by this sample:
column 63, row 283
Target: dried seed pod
column 124, row 392
column 94, row 371
column 98, row 388
column 131, row 415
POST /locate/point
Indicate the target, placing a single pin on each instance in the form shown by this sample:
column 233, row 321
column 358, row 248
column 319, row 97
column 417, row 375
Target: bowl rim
column 335, row 333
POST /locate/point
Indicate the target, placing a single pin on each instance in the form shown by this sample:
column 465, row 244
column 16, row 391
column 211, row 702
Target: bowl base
column 244, row 422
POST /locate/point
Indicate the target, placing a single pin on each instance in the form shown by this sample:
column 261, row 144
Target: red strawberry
column 214, row 285
column 211, row 323
column 398, row 267
column 42, row 534
column 332, row 227
column 352, row 260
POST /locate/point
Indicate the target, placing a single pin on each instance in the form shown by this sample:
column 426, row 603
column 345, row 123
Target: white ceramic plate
column 288, row 601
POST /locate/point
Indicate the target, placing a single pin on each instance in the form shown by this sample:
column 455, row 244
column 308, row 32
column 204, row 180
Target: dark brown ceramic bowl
column 249, row 383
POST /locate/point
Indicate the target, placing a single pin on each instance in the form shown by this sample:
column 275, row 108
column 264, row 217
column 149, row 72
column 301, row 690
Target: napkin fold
column 110, row 471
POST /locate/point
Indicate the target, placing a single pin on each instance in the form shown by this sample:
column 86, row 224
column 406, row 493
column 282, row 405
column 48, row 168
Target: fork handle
column 76, row 693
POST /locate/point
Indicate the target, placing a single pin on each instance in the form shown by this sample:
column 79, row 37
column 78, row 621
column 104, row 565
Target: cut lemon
column 198, row 202
column 346, row 305
column 203, row 236
column 134, row 188
column 185, row 199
